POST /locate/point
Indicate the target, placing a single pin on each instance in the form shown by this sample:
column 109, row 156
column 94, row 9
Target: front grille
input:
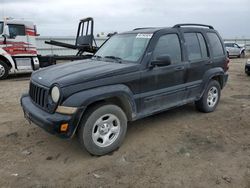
column 38, row 94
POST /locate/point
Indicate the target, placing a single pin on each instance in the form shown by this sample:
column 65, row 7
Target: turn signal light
column 64, row 127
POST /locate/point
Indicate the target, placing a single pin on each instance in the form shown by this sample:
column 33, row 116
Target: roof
column 184, row 26
column 147, row 30
column 18, row 21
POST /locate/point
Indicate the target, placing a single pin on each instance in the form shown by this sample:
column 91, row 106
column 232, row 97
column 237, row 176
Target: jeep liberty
column 133, row 75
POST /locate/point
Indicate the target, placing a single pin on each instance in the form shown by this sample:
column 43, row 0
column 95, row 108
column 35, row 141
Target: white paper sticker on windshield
column 144, row 35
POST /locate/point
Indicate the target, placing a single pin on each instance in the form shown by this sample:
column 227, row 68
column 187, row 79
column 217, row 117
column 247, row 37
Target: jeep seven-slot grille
column 38, row 95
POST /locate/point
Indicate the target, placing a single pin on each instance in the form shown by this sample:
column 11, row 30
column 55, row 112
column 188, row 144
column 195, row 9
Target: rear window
column 196, row 46
column 215, row 44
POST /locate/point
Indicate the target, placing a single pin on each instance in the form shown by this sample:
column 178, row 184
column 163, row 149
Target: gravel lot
column 177, row 148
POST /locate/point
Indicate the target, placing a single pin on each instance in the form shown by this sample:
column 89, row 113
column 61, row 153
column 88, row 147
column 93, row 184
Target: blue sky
column 60, row 17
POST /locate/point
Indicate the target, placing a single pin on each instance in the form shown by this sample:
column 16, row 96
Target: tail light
column 226, row 66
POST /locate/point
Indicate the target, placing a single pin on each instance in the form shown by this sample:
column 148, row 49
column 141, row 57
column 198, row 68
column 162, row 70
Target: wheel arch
column 242, row 50
column 213, row 74
column 119, row 95
column 116, row 100
column 4, row 56
column 5, row 60
column 218, row 78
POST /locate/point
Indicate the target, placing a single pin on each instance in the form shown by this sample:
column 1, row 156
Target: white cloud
column 60, row 17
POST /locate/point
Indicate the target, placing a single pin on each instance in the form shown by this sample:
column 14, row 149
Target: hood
column 80, row 71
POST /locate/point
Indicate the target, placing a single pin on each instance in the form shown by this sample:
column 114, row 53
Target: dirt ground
column 177, row 148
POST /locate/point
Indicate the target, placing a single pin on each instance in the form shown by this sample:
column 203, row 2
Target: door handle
column 179, row 68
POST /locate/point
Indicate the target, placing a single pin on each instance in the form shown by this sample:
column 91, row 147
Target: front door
column 18, row 47
column 163, row 87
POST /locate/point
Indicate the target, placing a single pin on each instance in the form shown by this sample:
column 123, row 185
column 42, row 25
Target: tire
column 210, row 98
column 242, row 55
column 4, row 70
column 106, row 122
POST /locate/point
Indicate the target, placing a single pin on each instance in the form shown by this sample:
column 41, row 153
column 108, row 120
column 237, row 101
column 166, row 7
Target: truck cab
column 18, row 53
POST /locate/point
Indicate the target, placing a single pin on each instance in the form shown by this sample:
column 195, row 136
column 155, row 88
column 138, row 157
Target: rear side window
column 215, row 44
column 168, row 45
column 16, row 30
column 196, row 46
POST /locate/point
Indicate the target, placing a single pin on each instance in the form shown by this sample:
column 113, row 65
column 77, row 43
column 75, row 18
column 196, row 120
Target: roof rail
column 191, row 24
column 142, row 28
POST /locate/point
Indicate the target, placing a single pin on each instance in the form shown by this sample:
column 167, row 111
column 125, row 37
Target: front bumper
column 50, row 122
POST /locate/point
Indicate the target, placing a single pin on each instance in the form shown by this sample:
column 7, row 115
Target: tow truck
column 18, row 50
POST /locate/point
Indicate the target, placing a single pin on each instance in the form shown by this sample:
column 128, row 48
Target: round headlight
column 55, row 94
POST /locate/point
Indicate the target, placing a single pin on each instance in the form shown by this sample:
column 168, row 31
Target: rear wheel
column 103, row 129
column 242, row 55
column 4, row 70
column 210, row 98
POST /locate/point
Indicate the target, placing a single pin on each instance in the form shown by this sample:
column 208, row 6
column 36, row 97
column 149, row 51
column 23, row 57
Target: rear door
column 199, row 62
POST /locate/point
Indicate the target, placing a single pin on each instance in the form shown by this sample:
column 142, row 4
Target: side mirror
column 160, row 61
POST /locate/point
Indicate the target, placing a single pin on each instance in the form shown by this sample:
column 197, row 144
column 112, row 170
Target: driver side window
column 16, row 30
column 168, row 44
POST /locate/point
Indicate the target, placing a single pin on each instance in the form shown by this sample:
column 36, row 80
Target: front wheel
column 103, row 129
column 210, row 98
column 4, row 70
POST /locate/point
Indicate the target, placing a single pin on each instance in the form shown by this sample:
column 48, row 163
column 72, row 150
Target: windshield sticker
column 144, row 35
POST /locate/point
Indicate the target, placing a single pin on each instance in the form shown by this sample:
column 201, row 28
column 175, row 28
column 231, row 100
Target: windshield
column 127, row 47
column 1, row 27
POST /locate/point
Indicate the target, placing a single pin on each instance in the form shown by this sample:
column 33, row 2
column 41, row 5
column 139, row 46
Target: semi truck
column 18, row 50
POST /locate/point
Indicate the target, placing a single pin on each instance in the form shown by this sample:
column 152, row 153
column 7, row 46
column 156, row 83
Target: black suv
column 133, row 75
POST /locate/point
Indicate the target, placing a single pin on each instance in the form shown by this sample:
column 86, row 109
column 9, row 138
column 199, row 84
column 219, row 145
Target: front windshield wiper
column 118, row 59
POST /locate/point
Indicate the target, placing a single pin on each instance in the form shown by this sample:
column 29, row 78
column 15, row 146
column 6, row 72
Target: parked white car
column 234, row 49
